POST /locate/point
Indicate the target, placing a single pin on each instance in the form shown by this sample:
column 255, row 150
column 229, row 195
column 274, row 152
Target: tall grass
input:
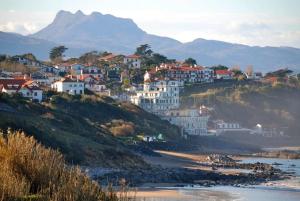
column 29, row 171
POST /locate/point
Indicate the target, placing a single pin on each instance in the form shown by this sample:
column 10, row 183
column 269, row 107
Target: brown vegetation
column 29, row 171
column 121, row 128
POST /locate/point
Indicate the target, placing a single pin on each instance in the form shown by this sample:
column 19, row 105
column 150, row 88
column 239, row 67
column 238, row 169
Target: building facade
column 27, row 88
column 133, row 61
column 189, row 120
column 189, row 74
column 158, row 95
column 70, row 86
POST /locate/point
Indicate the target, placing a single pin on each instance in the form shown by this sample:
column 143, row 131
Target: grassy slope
column 74, row 125
column 250, row 103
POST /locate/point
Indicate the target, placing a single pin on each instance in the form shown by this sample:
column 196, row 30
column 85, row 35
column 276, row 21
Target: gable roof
column 17, row 84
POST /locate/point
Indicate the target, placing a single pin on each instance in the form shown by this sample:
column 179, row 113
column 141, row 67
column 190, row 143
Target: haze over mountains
column 81, row 33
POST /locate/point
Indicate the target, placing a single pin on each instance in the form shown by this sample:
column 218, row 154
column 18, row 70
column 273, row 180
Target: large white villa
column 158, row 95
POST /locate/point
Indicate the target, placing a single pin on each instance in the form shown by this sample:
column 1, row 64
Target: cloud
column 24, row 28
column 24, row 22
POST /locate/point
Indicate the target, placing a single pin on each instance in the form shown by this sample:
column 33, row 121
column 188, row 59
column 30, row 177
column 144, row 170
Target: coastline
column 181, row 169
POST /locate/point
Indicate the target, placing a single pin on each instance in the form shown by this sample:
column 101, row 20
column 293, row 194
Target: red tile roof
column 17, row 84
column 134, row 56
column 223, row 72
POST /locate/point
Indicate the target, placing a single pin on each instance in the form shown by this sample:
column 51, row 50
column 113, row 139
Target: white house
column 69, row 86
column 27, row 88
column 189, row 120
column 158, row 95
column 223, row 75
column 133, row 61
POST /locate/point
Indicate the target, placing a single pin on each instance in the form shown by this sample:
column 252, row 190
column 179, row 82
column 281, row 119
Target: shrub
column 29, row 171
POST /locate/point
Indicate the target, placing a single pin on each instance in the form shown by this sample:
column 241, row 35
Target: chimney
column 25, row 77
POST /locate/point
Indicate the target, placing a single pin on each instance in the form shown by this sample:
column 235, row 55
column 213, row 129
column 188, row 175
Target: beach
column 288, row 189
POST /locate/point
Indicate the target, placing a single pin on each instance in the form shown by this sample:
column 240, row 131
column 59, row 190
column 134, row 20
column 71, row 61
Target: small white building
column 68, row 85
column 223, row 75
column 133, row 61
column 27, row 88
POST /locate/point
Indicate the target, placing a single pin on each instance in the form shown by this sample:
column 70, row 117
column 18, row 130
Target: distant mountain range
column 81, row 33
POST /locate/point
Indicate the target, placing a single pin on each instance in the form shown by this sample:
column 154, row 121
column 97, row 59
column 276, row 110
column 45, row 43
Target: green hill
column 84, row 128
column 251, row 103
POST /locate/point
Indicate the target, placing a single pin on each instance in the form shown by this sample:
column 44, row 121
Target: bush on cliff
column 29, row 171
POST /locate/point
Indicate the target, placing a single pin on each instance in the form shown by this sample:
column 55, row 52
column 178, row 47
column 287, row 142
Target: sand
column 185, row 160
column 180, row 194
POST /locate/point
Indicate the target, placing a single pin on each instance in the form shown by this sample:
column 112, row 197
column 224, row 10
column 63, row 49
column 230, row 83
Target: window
column 70, row 85
column 35, row 94
column 80, row 92
column 75, row 85
column 75, row 91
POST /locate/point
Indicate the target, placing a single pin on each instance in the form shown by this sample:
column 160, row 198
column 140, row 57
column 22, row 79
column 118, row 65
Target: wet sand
column 154, row 194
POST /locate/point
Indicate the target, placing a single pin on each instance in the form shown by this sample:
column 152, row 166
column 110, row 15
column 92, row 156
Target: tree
column 190, row 61
column 126, row 83
column 2, row 57
column 219, row 67
column 89, row 57
column 29, row 56
column 144, row 50
column 158, row 58
column 57, row 53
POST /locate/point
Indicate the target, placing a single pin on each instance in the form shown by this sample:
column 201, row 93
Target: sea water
column 284, row 190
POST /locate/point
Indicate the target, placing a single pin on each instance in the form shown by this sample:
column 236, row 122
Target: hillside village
column 146, row 79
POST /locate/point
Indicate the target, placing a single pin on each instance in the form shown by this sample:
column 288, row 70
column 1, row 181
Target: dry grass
column 121, row 128
column 29, row 171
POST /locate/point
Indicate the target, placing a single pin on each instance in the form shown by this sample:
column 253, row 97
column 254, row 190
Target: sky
column 251, row 22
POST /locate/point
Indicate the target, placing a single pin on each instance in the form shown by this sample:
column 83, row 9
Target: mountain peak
column 63, row 13
column 79, row 13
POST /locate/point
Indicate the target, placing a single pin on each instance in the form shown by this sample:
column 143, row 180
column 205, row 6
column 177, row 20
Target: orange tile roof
column 134, row 56
column 17, row 84
column 223, row 72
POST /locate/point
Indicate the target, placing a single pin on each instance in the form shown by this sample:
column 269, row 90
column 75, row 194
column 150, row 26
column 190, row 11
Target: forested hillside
column 250, row 103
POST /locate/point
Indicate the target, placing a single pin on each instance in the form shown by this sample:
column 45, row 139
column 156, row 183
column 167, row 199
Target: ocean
column 284, row 190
